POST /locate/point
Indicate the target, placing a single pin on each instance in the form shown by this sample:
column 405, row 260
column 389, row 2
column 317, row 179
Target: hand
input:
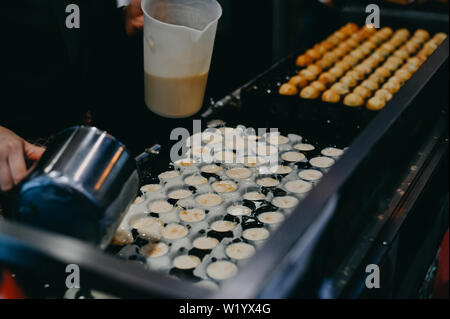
column 13, row 151
column 134, row 17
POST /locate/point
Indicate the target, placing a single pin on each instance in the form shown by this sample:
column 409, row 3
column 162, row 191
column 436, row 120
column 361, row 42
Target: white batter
column 222, row 270
column 298, row 187
column 174, row 231
column 240, row 251
column 285, row 202
column 209, row 200
column 239, row 210
column 193, row 215
column 160, row 207
column 310, row 175
column 256, row 234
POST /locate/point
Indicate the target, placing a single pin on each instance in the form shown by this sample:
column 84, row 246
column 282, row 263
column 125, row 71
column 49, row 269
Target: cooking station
column 384, row 202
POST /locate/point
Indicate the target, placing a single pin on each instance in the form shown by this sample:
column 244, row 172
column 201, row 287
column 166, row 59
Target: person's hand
column 13, row 151
column 134, row 17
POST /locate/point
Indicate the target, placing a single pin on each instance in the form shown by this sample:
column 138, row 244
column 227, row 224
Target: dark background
column 51, row 79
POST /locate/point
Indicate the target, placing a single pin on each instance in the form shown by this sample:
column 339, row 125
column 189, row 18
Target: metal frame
column 381, row 235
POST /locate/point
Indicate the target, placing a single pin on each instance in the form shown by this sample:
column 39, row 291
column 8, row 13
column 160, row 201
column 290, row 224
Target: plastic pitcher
column 178, row 44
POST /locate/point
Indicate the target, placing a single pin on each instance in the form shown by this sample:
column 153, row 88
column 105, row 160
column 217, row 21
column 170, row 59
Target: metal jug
column 81, row 187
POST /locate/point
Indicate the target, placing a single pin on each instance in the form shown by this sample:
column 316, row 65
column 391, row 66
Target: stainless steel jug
column 81, row 187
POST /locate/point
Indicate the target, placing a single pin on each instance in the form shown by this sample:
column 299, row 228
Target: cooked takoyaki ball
column 384, row 94
column 382, row 52
column 359, row 72
column 439, row 38
column 352, row 26
column 388, row 47
column 327, row 45
column 365, row 50
column 403, row 75
column 352, row 43
column 370, row 85
column 369, row 45
column 349, row 28
column 336, row 71
column 304, row 60
column 396, row 60
column 345, row 30
column 393, row 63
column 333, row 39
column 403, row 33
column 369, row 29
column 344, row 46
column 313, row 53
column 376, row 103
column 339, row 53
column 307, row 74
column 363, row 68
column 392, row 87
column 358, row 54
column 377, row 56
column 362, row 92
column 376, row 39
column 330, row 56
column 324, row 63
column 383, row 71
column 350, row 60
column 353, row 100
column 396, row 42
column 319, row 86
column 288, row 89
column 416, row 40
column 315, row 69
column 359, row 36
column 327, row 78
column 343, row 65
column 386, row 32
column 402, row 54
column 340, row 35
column 397, row 80
column 411, row 47
column 331, row 96
column 410, row 67
column 319, row 49
column 299, row 81
column 358, row 76
column 378, row 78
column 372, row 62
column 341, row 88
column 423, row 55
column 391, row 66
column 310, row 93
column 430, row 47
column 349, row 81
column 422, row 34
column 414, row 61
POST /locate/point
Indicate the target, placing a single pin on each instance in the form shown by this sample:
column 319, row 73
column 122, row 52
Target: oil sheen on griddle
column 175, row 97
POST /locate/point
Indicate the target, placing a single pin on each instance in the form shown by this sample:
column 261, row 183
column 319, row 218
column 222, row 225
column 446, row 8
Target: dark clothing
column 51, row 73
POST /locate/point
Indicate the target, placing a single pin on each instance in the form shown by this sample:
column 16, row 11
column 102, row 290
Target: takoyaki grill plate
column 262, row 94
